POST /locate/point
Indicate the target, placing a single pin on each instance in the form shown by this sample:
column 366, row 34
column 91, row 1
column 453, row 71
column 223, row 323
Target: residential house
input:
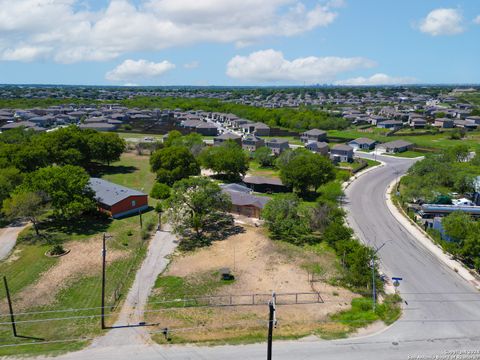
column 363, row 143
column 473, row 119
column 252, row 143
column 395, row 146
column 246, row 204
column 116, row 200
column 417, row 123
column 390, row 124
column 444, row 123
column 464, row 124
column 277, row 145
column 99, row 126
column 265, row 185
column 318, row 147
column 341, row 153
column 218, row 140
column 206, row 129
column 313, row 135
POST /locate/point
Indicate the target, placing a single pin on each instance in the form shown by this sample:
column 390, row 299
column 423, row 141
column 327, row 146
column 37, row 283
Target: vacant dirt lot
column 83, row 259
column 260, row 266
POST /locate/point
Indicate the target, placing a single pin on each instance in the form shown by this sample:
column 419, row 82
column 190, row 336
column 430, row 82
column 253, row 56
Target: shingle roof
column 242, row 199
column 227, row 136
column 315, row 132
column 262, row 180
column 109, row 193
column 396, row 144
column 342, row 147
column 363, row 141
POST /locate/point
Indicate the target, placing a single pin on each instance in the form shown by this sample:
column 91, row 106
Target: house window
column 134, row 203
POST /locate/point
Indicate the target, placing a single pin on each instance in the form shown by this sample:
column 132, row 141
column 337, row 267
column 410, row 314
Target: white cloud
column 442, row 22
column 477, row 20
column 376, row 79
column 191, row 65
column 125, row 26
column 271, row 66
column 138, row 69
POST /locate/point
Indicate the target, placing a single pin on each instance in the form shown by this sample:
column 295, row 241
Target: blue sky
column 239, row 42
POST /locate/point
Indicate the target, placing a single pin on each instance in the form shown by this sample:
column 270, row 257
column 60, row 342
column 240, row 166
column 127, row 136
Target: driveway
column 8, row 238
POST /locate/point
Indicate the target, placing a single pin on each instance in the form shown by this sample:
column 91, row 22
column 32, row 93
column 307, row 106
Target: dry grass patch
column 260, row 266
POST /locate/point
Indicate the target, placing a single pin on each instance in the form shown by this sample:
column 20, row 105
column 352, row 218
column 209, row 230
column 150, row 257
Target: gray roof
column 342, row 147
column 360, row 141
column 236, row 187
column 317, row 145
column 227, row 136
column 315, row 132
column 242, row 199
column 262, row 180
column 109, row 193
column 396, row 144
column 277, row 141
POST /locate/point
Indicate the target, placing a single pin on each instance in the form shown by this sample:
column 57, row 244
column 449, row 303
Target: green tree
column 106, row 147
column 263, row 156
column 173, row 163
column 457, row 225
column 227, row 159
column 65, row 187
column 196, row 204
column 287, row 220
column 172, row 137
column 306, row 171
column 24, row 205
column 10, row 178
column 160, row 191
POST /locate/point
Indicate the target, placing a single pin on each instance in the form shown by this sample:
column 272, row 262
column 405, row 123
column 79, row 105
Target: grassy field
column 256, row 170
column 438, row 141
column 31, row 273
column 408, row 154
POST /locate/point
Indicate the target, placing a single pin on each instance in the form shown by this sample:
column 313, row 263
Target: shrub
column 57, row 250
column 160, row 191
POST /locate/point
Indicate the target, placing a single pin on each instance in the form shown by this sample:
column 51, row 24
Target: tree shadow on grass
column 100, row 170
column 56, row 230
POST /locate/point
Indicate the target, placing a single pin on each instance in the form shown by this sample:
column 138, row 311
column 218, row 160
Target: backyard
column 70, row 285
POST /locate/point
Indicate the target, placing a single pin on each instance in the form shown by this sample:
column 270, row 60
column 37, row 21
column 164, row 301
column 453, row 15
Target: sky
column 239, row 42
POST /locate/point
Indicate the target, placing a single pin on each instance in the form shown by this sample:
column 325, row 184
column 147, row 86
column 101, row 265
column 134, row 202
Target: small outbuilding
column 116, row 200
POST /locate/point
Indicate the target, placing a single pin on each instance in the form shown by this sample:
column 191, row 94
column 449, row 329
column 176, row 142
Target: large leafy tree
column 263, row 156
column 227, row 159
column 106, row 147
column 10, row 178
column 196, row 205
column 173, row 163
column 306, row 171
column 25, row 205
column 287, row 220
column 65, row 187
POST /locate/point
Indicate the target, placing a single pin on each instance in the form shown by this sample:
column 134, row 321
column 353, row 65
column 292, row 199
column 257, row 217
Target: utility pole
column 141, row 223
column 10, row 307
column 374, row 285
column 104, row 258
column 272, row 321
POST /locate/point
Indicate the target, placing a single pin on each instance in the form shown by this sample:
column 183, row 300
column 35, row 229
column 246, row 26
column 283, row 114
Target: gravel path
column 161, row 246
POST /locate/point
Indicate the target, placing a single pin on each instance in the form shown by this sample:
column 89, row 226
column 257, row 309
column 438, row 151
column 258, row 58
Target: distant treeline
column 297, row 119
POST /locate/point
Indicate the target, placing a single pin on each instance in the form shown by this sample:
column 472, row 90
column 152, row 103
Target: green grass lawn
column 135, row 135
column 29, row 262
column 256, row 170
column 438, row 141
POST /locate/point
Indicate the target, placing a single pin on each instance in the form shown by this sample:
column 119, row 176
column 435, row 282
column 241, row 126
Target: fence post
column 10, row 307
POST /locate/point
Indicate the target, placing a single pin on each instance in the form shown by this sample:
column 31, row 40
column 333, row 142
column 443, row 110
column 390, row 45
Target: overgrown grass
column 361, row 313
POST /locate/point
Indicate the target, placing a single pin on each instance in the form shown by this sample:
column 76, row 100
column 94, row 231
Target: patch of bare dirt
column 83, row 260
column 260, row 266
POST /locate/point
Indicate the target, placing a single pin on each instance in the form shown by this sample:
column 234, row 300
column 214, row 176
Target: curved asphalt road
column 443, row 311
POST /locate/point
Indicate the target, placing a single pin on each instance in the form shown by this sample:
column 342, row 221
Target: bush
column 57, row 250
column 127, row 127
column 160, row 191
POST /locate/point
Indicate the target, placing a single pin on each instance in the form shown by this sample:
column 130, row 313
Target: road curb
column 419, row 235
